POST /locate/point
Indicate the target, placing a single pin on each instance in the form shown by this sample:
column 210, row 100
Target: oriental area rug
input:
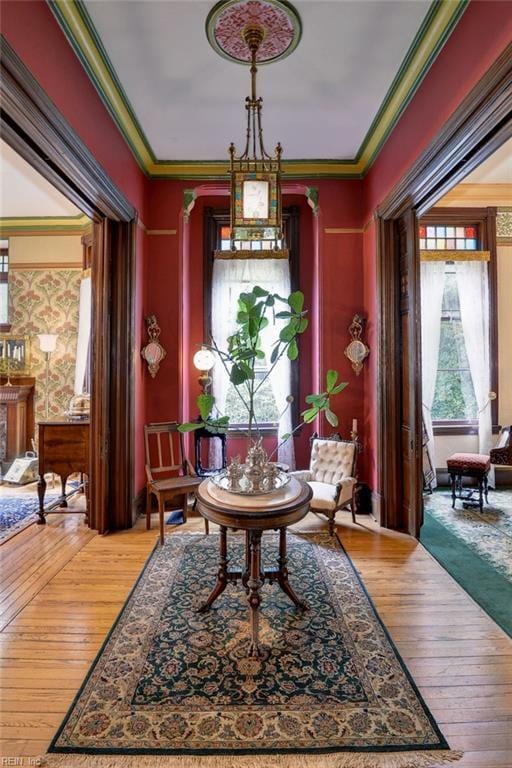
column 174, row 687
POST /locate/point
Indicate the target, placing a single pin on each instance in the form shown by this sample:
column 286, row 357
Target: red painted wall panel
column 482, row 33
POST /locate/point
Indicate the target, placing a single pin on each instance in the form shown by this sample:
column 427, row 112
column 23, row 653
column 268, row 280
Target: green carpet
column 490, row 589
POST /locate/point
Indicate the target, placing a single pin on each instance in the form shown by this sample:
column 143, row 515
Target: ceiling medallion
column 229, row 18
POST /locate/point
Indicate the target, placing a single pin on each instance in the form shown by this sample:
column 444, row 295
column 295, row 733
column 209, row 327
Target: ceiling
column 333, row 99
column 319, row 102
column 497, row 169
column 24, row 193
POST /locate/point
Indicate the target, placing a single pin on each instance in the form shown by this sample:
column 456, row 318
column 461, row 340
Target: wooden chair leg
column 185, row 507
column 331, row 523
column 353, row 508
column 148, row 509
column 206, row 526
column 161, row 510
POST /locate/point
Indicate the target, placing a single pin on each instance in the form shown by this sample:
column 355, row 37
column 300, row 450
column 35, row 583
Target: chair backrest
column 332, row 460
column 502, row 454
column 165, row 454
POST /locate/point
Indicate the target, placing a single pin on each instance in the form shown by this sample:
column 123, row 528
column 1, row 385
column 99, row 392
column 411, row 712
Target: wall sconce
column 47, row 344
column 204, row 360
column 153, row 352
column 357, row 351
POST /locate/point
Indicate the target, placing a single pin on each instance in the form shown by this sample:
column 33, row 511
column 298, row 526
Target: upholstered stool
column 475, row 465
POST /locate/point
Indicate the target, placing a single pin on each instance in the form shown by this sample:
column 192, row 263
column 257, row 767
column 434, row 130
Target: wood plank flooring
column 63, row 586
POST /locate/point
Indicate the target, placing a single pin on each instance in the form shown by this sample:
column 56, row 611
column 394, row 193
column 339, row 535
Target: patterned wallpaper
column 46, row 301
column 504, row 224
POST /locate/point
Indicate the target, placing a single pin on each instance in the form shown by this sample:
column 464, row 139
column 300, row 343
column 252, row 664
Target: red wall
column 482, row 33
column 344, row 265
column 341, row 292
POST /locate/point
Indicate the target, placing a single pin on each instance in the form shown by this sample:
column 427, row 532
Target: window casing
column 216, row 237
column 464, row 229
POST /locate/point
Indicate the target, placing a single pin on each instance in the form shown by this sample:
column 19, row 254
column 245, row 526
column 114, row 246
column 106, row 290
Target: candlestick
column 353, row 431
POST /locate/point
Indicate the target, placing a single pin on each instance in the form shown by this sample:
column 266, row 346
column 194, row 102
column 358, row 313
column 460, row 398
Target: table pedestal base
column 253, row 578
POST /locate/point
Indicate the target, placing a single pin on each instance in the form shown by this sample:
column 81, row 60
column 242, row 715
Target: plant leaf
column 331, row 378
column 259, row 292
column 302, row 325
column 275, row 353
column 237, row 375
column 189, row 426
column 205, row 404
column 285, row 436
column 339, row 388
column 296, row 300
column 331, row 417
column 248, row 299
column 287, row 333
column 282, row 315
column 309, row 415
column 293, row 350
column 315, row 399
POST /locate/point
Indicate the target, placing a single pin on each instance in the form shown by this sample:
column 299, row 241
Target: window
column 454, row 396
column 454, row 407
column 226, row 279
column 4, row 286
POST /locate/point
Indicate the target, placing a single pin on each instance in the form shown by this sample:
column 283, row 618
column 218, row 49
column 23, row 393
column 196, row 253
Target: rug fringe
column 413, row 759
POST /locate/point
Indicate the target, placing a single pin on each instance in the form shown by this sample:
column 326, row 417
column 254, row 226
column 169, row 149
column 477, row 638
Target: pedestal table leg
column 254, row 584
column 282, row 578
column 222, row 573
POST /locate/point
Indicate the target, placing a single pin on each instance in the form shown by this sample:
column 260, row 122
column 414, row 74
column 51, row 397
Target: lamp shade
column 47, row 341
column 204, row 359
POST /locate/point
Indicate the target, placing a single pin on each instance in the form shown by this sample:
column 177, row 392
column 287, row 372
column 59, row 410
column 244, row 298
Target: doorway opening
column 37, row 132
column 466, row 364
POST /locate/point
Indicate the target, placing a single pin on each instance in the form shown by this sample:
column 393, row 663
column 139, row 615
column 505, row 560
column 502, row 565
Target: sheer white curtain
column 231, row 277
column 432, row 289
column 473, row 286
column 84, row 334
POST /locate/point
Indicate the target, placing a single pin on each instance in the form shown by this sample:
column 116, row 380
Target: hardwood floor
column 63, row 586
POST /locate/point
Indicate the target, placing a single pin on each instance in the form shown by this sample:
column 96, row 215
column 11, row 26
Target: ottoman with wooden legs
column 471, row 465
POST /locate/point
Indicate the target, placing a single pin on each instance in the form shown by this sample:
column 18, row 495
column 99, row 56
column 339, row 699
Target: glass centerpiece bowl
column 257, row 308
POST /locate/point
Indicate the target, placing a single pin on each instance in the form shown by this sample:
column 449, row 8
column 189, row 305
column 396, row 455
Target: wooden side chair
column 169, row 473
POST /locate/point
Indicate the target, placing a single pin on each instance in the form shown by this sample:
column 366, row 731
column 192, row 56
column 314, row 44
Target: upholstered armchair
column 331, row 476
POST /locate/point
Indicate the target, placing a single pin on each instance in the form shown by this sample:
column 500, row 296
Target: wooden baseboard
column 139, row 505
column 376, row 506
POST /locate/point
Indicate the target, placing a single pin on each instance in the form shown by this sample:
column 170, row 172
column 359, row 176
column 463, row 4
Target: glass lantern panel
column 255, row 200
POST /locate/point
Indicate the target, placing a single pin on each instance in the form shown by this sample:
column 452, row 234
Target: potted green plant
column 256, row 310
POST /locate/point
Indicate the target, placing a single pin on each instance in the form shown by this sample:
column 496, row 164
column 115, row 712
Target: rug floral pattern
column 488, row 533
column 172, row 680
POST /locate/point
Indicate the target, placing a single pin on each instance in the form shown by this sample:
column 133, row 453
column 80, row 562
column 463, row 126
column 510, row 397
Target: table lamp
column 47, row 344
column 204, row 360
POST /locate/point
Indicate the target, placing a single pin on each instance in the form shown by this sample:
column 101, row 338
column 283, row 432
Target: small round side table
column 254, row 515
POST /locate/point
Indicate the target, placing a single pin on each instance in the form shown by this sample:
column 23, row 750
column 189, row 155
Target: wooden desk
column 253, row 520
column 64, row 449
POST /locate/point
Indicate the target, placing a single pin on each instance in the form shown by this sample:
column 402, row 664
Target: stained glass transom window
column 441, row 237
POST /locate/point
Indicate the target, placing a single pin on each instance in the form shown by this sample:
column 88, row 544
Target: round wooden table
column 265, row 512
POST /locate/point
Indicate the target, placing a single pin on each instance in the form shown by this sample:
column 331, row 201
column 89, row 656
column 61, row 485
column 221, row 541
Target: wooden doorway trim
column 33, row 127
column 481, row 124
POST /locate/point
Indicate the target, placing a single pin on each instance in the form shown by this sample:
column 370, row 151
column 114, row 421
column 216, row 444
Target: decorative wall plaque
column 357, row 350
column 153, row 353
